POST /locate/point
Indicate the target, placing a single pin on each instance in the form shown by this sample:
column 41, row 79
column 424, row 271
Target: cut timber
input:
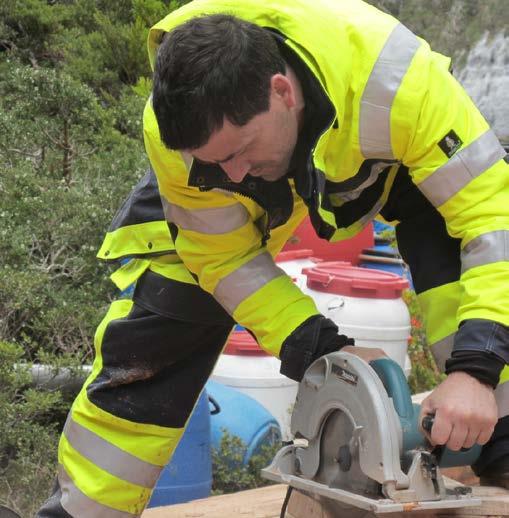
column 495, row 504
column 264, row 502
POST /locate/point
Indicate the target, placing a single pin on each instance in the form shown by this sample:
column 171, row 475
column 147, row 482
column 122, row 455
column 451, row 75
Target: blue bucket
column 188, row 476
column 241, row 416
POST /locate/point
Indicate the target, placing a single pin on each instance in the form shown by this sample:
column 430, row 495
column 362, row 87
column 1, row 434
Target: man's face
column 263, row 147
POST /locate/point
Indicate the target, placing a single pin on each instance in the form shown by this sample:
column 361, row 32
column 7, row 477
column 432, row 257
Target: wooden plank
column 263, row 502
column 267, row 502
column 495, row 503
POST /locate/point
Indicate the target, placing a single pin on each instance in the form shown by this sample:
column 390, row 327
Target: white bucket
column 248, row 369
column 365, row 304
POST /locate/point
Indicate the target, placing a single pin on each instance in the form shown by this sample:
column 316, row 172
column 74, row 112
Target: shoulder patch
column 450, row 143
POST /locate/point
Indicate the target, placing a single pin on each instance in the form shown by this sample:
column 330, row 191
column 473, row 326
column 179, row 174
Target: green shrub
column 30, row 421
column 425, row 374
column 63, row 174
column 230, row 474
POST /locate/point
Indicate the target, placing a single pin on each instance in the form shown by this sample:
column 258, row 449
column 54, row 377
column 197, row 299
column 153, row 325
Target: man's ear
column 282, row 88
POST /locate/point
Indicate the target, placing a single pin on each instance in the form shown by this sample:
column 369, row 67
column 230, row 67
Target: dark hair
column 209, row 68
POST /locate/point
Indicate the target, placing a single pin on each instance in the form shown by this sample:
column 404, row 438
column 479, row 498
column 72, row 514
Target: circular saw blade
column 339, row 459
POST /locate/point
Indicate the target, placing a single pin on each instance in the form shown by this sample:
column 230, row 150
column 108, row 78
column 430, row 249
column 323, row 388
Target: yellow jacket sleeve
column 458, row 164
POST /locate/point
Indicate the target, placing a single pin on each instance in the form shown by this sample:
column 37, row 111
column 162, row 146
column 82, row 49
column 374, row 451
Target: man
column 259, row 114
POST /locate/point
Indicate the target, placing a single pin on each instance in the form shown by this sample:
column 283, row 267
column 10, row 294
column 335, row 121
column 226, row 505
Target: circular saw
column 357, row 440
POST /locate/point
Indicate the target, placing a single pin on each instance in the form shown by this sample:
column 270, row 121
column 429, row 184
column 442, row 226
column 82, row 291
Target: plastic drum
column 245, row 367
column 292, row 262
column 365, row 304
column 348, row 250
column 243, row 417
column 188, row 475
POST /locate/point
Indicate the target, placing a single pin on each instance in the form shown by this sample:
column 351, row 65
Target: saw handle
column 427, row 422
column 396, row 385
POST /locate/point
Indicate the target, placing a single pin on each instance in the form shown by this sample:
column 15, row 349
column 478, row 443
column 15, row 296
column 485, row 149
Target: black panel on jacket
column 352, row 211
column 431, row 253
column 495, row 449
column 361, row 176
column 142, row 205
column 275, row 197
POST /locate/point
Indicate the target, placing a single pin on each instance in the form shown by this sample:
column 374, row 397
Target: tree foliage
column 73, row 81
column 230, row 473
column 74, row 78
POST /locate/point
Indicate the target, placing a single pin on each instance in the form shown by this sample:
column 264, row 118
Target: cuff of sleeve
column 479, row 335
column 311, row 340
column 483, row 366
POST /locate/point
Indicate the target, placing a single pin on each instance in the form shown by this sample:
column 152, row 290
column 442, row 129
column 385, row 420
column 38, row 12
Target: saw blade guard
column 344, row 382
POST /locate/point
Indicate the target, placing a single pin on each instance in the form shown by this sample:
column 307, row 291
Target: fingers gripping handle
column 396, row 385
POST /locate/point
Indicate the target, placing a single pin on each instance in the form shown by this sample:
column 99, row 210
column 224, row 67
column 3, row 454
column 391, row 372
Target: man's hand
column 465, row 412
column 368, row 354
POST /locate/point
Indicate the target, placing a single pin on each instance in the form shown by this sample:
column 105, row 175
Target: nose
column 236, row 170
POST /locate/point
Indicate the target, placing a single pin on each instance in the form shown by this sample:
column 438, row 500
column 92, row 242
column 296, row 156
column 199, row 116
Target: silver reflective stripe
column 374, row 173
column 218, row 220
column 381, row 88
column 372, row 213
column 244, row 281
column 491, row 247
column 188, row 159
column 462, row 168
column 442, row 351
column 224, row 192
column 109, row 457
column 79, row 505
column 502, row 398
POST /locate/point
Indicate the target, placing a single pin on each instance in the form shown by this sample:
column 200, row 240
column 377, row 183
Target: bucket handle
column 216, row 406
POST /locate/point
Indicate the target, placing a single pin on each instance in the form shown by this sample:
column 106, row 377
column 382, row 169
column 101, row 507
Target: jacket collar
column 319, row 115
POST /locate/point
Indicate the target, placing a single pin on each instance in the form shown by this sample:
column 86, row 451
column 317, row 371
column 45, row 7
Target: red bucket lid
column 241, row 343
column 351, row 281
column 292, row 255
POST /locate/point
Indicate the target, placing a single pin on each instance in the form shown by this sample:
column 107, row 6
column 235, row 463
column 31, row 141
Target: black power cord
column 285, row 503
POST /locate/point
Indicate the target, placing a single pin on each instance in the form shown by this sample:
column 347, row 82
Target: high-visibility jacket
column 138, row 229
column 139, row 233
column 382, row 100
